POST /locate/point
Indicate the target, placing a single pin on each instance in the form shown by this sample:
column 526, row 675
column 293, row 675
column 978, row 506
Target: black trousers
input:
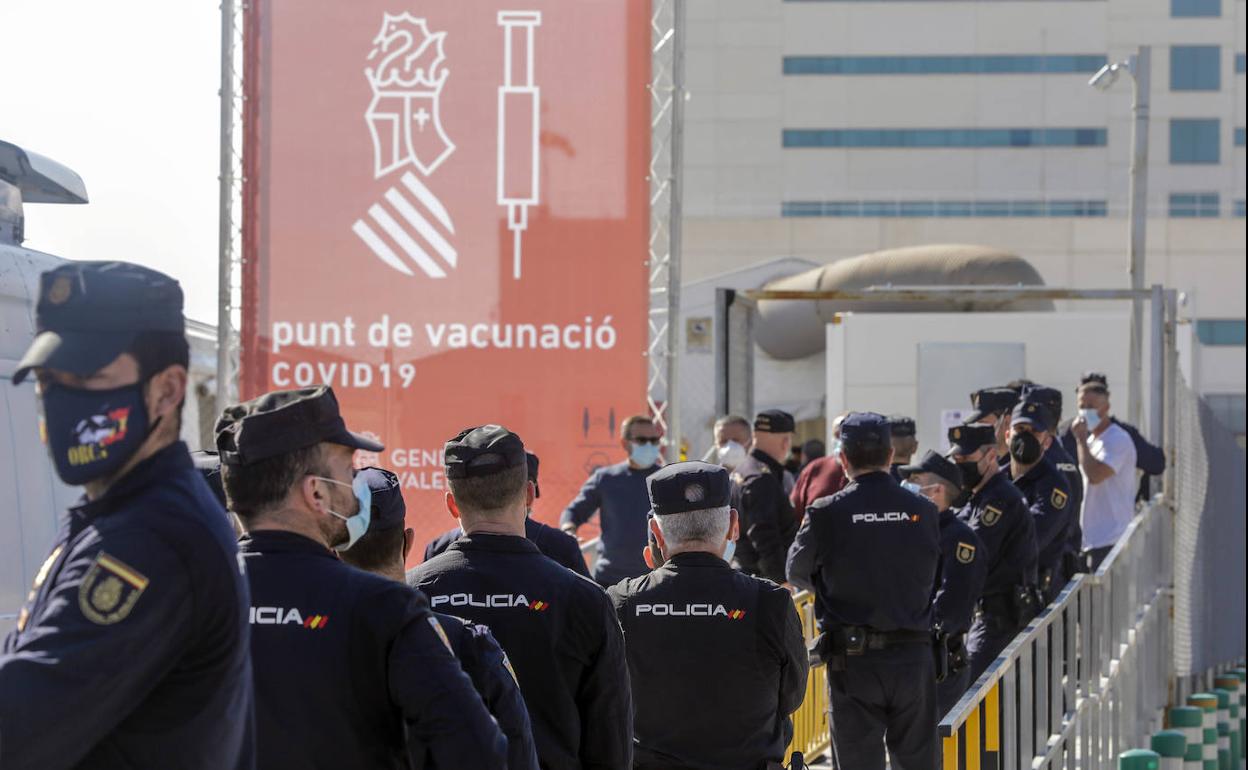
column 989, row 635
column 889, row 700
column 948, row 691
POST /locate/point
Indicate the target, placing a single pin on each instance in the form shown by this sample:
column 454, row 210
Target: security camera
column 1105, row 77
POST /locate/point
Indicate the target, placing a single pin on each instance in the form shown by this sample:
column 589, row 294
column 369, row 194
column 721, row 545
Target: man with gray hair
column 733, row 435
column 712, row 653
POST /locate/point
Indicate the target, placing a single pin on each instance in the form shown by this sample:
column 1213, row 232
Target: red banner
column 446, row 219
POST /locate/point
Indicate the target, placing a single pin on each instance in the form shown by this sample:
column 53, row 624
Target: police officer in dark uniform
column 870, row 553
column 132, row 646
column 553, row 543
column 963, row 570
column 1045, row 489
column 1066, row 464
column 768, row 522
column 559, row 629
column 993, row 406
column 208, row 463
column 694, row 624
column 998, row 513
column 351, row 669
column 905, row 443
column 383, row 550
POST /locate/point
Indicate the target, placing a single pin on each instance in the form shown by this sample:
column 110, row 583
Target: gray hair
column 709, row 525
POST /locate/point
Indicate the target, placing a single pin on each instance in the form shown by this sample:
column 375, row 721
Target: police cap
column 282, row 422
column 209, row 464
column 389, row 510
column 865, row 430
column 991, row 401
column 966, row 439
column 901, row 425
column 1032, row 413
column 774, row 421
column 89, row 313
column 533, row 462
column 1049, row 398
column 936, row 463
column 688, row 486
column 483, row 451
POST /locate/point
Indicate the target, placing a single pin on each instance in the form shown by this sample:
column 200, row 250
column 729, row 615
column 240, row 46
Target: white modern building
column 822, row 129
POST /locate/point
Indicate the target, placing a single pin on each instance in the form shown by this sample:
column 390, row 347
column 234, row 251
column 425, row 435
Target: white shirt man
column 1107, row 463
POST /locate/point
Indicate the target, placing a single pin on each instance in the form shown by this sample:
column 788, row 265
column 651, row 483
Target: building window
column 941, row 65
column 1228, row 409
column 1195, row 8
column 944, row 208
column 1220, row 331
column 1195, row 68
column 1239, row 137
column 1194, row 140
column 1194, row 205
column 1239, row 207
column 926, row 138
column 1239, row 64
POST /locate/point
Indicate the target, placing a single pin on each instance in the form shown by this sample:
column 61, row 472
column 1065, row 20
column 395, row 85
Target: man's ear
column 530, row 494
column 409, row 540
column 452, row 506
column 311, row 494
column 734, row 526
column 166, row 390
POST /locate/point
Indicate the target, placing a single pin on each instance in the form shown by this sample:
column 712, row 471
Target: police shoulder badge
column 441, row 632
column 965, row 553
column 990, row 516
column 1058, row 498
column 109, row 590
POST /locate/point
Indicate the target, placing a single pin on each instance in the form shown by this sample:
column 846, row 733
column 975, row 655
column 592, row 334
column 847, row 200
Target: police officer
column 993, row 406
column 351, row 669
column 870, row 553
column 1046, row 491
column 133, row 640
column 694, row 623
column 1069, row 468
column 555, row 544
column 209, row 465
column 998, row 513
column 382, row 550
column 905, row 443
column 963, row 570
column 558, row 628
column 768, row 522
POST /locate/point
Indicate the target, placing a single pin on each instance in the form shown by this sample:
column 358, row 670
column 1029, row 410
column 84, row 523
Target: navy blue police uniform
column 351, row 668
column 998, row 513
column 481, row 657
column 768, row 521
column 963, row 571
column 1049, row 500
column 131, row 648
column 559, row 629
column 1069, row 468
column 692, row 627
column 870, row 553
column 553, row 543
column 900, row 426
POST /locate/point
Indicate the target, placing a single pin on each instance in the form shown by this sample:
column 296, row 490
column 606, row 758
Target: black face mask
column 1025, row 448
column 970, row 475
column 92, row 433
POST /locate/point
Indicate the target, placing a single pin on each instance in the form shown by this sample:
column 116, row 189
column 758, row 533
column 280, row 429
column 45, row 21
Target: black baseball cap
column 89, row 313
column 991, row 401
column 209, row 465
column 901, row 425
column 966, row 439
column 1032, row 413
column 774, row 421
column 282, row 422
column 483, row 451
column 865, row 430
column 533, row 462
column 688, row 486
column 934, row 462
column 389, row 510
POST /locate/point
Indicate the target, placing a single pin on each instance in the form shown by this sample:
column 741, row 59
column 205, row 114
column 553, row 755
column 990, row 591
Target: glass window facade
column 1239, row 63
column 1194, row 140
column 1195, row 68
column 867, row 138
column 1195, row 8
column 1194, row 205
column 942, row 65
column 1220, row 331
column 1239, row 137
column 945, row 208
column 1227, row 408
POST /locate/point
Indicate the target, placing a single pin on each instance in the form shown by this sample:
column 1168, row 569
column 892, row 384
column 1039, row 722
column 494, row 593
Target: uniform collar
column 697, row 559
column 874, row 477
column 487, row 542
column 769, row 461
column 948, row 515
column 1034, row 472
column 282, row 541
column 166, row 462
column 987, row 488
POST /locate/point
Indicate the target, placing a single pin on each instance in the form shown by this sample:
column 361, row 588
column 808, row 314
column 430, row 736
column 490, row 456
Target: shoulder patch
column 441, row 632
column 109, row 590
column 510, row 670
column 965, row 553
column 990, row 516
column 1058, row 499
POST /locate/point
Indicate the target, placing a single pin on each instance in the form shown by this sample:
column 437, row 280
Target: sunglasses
column 646, row 440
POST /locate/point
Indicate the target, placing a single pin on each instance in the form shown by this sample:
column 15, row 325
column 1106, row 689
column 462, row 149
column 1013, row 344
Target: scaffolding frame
column 231, row 179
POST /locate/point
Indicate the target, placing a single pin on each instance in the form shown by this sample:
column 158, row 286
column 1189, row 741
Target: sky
column 125, row 94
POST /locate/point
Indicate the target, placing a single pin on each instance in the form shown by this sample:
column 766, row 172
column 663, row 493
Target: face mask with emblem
column 92, row 433
column 357, row 525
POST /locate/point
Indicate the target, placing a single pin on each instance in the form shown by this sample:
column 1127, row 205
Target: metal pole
column 1157, row 368
column 225, row 220
column 675, row 229
column 1137, row 214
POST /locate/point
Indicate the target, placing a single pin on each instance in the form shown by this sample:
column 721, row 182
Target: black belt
column 855, row 640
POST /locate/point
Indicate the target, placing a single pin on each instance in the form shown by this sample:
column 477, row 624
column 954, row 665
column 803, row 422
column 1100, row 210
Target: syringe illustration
column 519, row 125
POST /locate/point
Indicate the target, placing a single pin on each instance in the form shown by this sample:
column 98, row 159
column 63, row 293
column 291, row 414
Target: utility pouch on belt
column 957, row 653
column 940, row 655
column 1022, row 600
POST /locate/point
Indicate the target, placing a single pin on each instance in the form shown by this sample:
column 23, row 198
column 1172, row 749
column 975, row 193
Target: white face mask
column 1091, row 417
column 730, row 455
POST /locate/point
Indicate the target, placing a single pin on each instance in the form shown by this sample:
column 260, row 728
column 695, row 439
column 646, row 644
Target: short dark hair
column 257, row 487
column 156, row 352
column 867, row 454
column 626, row 426
column 488, row 494
column 375, row 550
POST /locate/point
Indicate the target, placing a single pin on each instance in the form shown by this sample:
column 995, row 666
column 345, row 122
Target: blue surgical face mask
column 1091, row 417
column 643, row 455
column 729, row 550
column 910, row 486
column 357, row 525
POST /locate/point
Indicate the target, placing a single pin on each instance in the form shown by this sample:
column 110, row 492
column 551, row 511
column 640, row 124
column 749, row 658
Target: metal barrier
column 1088, row 678
column 812, row 733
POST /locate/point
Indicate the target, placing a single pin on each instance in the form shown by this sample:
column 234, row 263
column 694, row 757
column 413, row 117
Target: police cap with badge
column 1033, row 413
column 937, row 464
column 282, row 422
column 388, row 510
column 774, row 421
column 866, row 431
column 967, row 439
column 688, row 486
column 990, row 401
column 1049, row 398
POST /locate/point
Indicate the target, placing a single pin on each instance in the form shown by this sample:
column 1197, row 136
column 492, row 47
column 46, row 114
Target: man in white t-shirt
column 1107, row 463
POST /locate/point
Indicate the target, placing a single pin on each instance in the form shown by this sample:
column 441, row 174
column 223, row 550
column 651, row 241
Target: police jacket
column 768, row 522
column 562, row 637
column 1048, row 499
column 352, row 670
column 1069, row 469
column 870, row 554
column 712, row 653
column 963, row 570
column 618, row 494
column 998, row 514
column 553, row 543
column 132, row 646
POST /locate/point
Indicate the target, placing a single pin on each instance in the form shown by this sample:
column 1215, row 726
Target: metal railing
column 1088, row 678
